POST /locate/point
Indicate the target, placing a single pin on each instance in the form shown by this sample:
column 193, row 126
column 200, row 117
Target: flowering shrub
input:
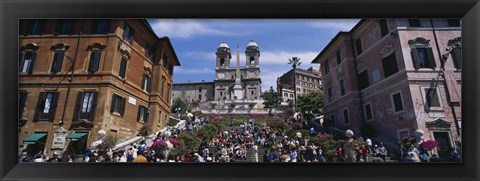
column 407, row 141
column 324, row 136
column 108, row 143
column 174, row 142
column 159, row 146
column 144, row 130
column 295, row 126
column 215, row 121
column 277, row 124
column 429, row 144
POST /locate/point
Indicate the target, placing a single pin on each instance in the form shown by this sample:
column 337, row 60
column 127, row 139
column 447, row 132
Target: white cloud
column 179, row 70
column 201, row 55
column 336, row 24
column 183, row 28
column 281, row 57
column 266, row 58
column 269, row 78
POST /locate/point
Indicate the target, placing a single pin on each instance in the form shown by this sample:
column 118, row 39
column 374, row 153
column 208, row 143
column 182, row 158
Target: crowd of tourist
column 245, row 142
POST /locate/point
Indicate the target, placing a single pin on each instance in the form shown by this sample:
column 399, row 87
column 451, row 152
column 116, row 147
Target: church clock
column 221, row 75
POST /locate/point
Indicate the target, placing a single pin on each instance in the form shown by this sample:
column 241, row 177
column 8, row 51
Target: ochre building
column 122, row 81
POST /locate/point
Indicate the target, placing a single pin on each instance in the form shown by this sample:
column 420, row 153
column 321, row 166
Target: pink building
column 387, row 78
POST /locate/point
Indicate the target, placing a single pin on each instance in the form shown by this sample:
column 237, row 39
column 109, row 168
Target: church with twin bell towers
column 239, row 82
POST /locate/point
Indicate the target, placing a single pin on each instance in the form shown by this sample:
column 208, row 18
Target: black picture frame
column 468, row 10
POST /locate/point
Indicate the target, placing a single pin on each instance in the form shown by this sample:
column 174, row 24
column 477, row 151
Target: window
column 34, row 27
column 431, row 98
column 118, row 105
column 27, row 60
column 101, row 26
column 453, row 22
column 146, row 83
column 457, row 57
column 165, row 60
column 222, row 61
column 330, row 96
column 291, row 95
column 252, row 60
column 389, row 65
column 22, row 99
column 397, row 102
column 221, row 93
column 150, row 52
column 339, row 59
column 64, row 27
column 46, row 106
column 165, row 120
column 94, row 61
column 200, row 97
column 327, row 68
column 285, row 95
column 123, row 68
column 159, row 117
column 363, row 80
column 128, row 33
column 142, row 114
column 423, row 58
column 383, row 27
column 87, row 102
column 57, row 62
column 358, row 46
column 414, row 22
column 168, row 94
column 251, row 93
column 85, row 106
column 200, row 89
column 368, row 112
column 163, row 87
column 170, row 70
column 346, row 119
column 342, row 88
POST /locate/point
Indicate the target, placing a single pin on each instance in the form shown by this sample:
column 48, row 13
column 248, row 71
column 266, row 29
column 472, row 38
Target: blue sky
column 196, row 40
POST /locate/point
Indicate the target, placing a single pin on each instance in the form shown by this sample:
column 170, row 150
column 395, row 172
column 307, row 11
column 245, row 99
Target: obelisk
column 238, row 89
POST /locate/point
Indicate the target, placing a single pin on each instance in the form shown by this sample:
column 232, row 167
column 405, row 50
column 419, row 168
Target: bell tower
column 252, row 54
column 223, row 56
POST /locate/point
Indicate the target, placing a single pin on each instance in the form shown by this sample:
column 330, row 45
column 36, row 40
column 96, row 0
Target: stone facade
column 249, row 75
column 122, row 80
column 197, row 91
column 222, row 88
column 306, row 81
column 389, row 76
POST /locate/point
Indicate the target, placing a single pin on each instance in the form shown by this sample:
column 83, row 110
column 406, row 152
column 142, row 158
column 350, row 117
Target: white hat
column 209, row 159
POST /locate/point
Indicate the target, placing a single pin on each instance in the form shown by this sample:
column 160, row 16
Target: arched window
column 252, row 60
column 222, row 61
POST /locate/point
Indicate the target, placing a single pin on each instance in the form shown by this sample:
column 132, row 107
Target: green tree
column 180, row 103
column 310, row 101
column 294, row 61
column 271, row 99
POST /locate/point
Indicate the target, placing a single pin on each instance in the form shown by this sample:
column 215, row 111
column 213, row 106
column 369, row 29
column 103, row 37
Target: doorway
column 444, row 144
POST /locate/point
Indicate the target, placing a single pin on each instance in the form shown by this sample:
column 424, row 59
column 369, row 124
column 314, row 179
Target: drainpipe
column 70, row 79
column 442, row 73
column 362, row 117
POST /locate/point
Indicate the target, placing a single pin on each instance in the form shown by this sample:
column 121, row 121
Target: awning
column 76, row 136
column 34, row 138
